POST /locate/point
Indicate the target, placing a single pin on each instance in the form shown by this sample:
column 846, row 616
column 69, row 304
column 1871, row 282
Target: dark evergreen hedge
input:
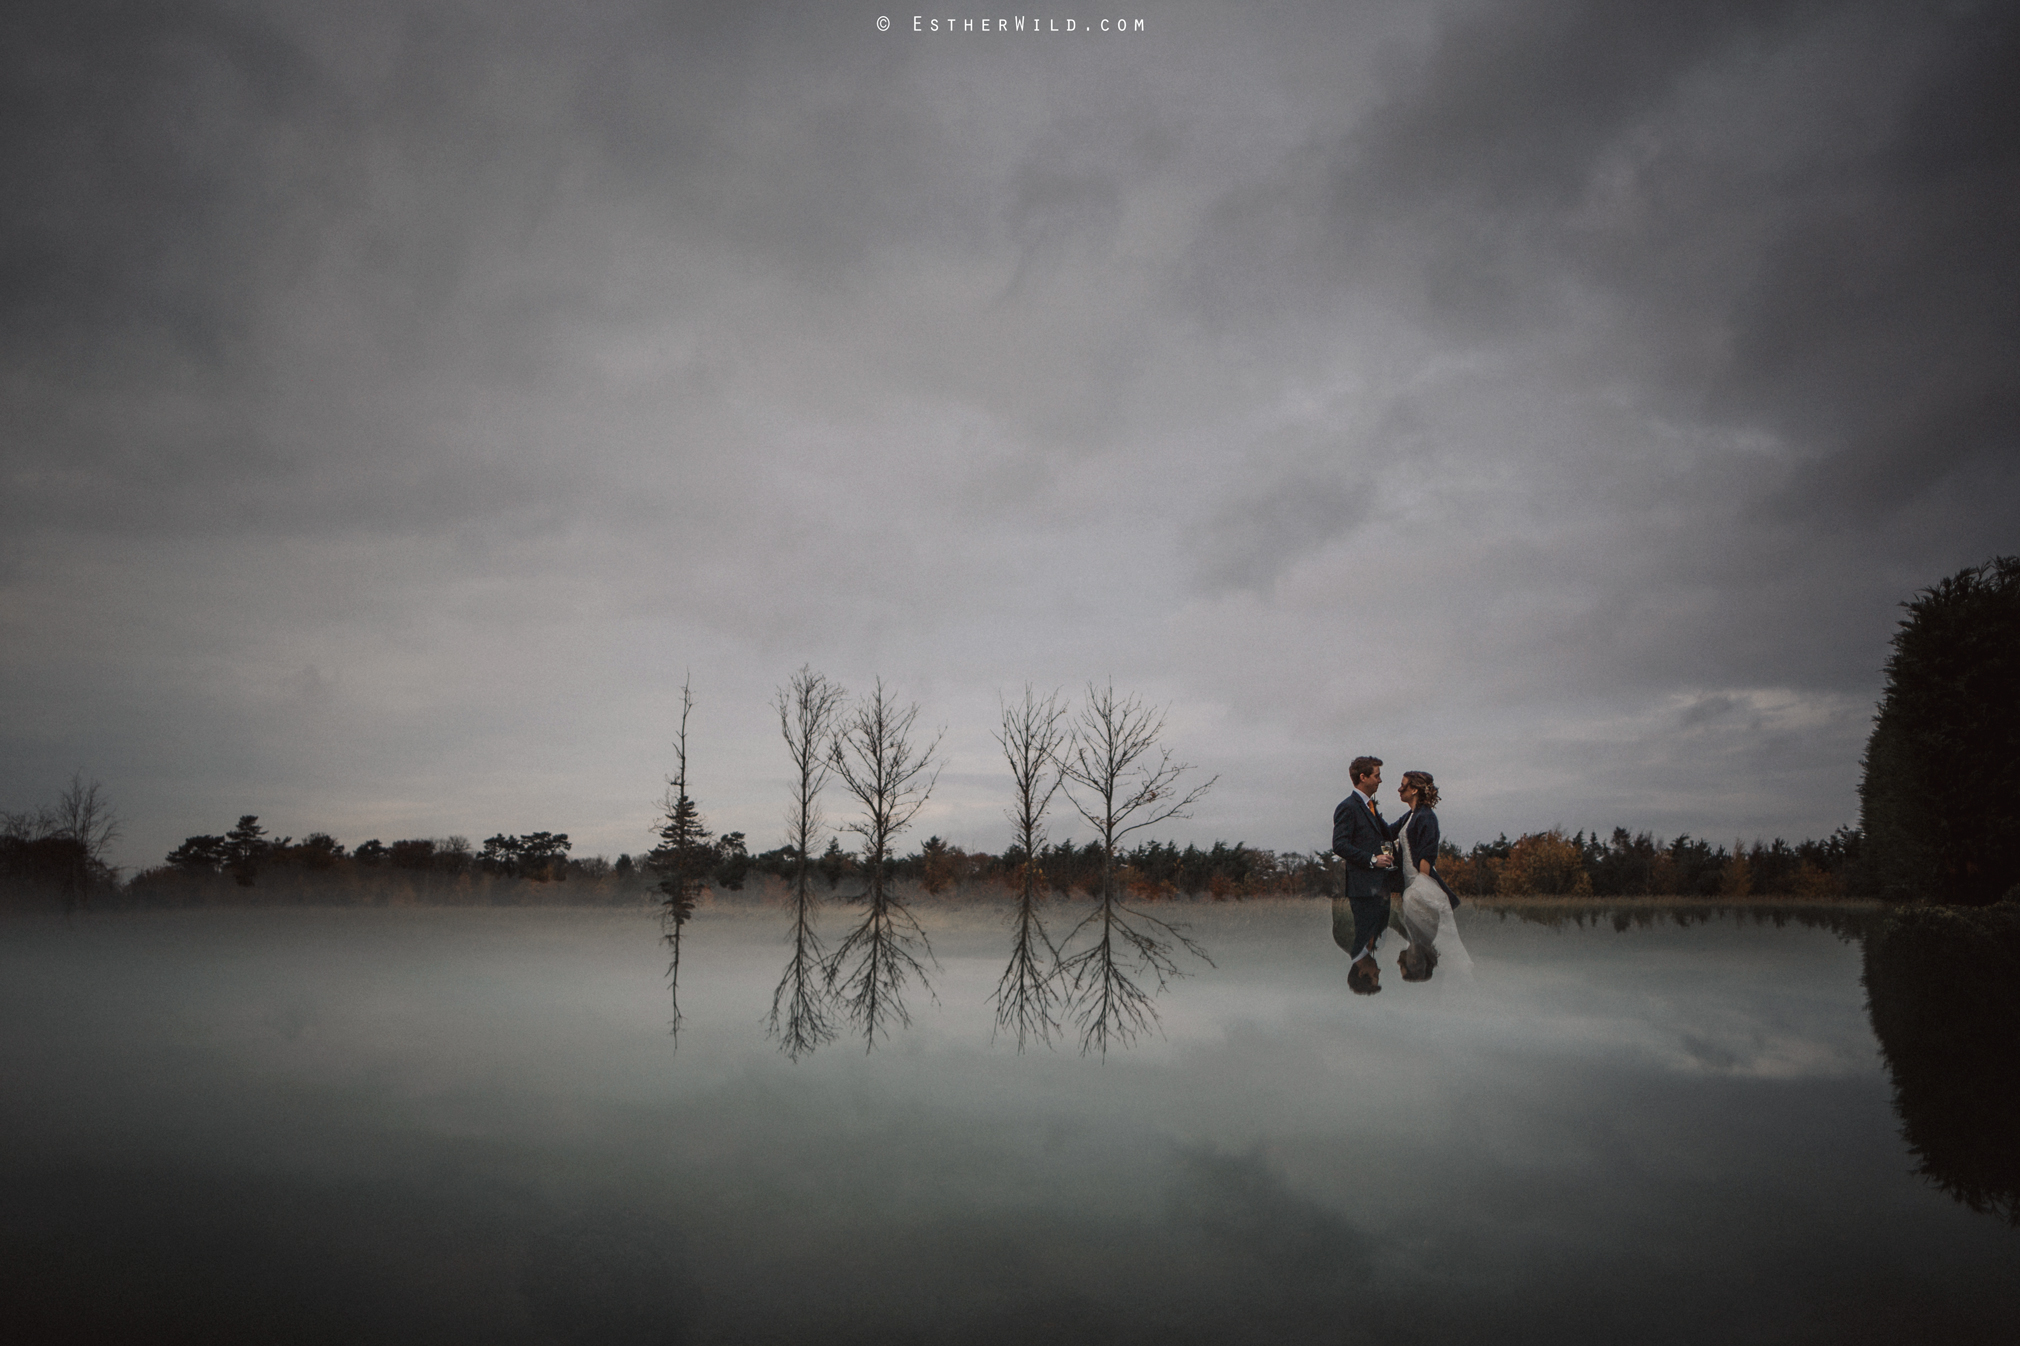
column 1940, row 801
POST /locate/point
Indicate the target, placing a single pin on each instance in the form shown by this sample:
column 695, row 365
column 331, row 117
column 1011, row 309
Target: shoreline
column 981, row 896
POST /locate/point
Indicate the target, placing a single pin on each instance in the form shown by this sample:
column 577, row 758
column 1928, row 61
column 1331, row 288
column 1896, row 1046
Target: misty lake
column 472, row 1125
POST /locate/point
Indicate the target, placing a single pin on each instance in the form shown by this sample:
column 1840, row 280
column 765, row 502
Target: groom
column 1359, row 834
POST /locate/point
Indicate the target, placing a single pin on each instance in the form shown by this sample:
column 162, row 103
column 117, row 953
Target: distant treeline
column 1535, row 864
column 240, row 865
column 246, row 866
column 1551, row 864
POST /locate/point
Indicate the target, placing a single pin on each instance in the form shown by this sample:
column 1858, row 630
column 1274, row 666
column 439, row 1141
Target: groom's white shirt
column 1369, row 801
column 1368, row 952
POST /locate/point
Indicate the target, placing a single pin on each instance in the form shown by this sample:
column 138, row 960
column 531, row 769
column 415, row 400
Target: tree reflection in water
column 1847, row 920
column 800, row 1015
column 891, row 775
column 1943, row 995
column 1943, row 990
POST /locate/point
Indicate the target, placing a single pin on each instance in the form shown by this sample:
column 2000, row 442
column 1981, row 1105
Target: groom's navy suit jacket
column 1358, row 837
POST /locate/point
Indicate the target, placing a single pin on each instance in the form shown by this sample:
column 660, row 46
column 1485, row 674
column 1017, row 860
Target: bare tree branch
column 1121, row 790
column 1105, row 980
column 800, row 1018
column 67, row 843
column 85, row 815
column 1027, row 995
column 873, row 754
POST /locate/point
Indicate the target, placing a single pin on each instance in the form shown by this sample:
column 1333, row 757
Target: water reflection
column 1943, row 997
column 1127, row 959
column 443, row 1125
column 1943, row 990
column 802, row 1016
column 1119, row 958
column 1849, row 920
column 1028, row 993
column 1109, row 970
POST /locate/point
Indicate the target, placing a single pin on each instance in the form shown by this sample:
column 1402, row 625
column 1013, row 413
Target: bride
column 1426, row 904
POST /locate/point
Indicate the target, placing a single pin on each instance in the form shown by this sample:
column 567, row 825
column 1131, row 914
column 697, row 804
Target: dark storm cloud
column 1884, row 327
column 1509, row 107
column 1720, row 289
column 134, row 151
column 1800, row 214
column 246, row 243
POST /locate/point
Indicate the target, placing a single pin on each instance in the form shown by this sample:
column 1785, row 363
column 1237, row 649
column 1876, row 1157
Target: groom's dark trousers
column 1358, row 837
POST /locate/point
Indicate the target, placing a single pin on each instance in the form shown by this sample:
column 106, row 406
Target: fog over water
column 472, row 1125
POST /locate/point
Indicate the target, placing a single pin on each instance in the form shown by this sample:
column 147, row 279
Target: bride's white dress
column 1428, row 916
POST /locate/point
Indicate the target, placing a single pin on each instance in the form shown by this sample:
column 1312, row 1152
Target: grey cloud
column 1256, row 535
column 1738, row 261
column 1511, row 105
column 1707, row 708
column 1645, row 354
column 1840, row 290
column 1048, row 208
column 308, row 688
column 134, row 149
column 1712, row 1055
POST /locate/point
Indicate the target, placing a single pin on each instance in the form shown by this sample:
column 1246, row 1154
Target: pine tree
column 683, row 857
column 244, row 847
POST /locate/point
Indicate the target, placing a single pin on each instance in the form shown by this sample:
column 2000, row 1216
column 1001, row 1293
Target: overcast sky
column 400, row 398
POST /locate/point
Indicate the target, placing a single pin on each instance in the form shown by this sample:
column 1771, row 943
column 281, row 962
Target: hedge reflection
column 1943, row 990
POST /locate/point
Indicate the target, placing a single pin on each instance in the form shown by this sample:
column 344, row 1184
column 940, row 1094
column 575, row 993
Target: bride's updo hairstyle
column 1427, row 793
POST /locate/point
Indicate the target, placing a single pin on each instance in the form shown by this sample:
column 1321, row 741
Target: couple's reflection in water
column 1423, row 932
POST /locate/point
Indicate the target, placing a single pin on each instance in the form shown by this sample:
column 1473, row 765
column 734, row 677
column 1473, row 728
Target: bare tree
column 891, row 776
column 807, row 705
column 1027, row 994
column 85, row 815
column 683, row 857
column 1120, row 790
column 61, row 847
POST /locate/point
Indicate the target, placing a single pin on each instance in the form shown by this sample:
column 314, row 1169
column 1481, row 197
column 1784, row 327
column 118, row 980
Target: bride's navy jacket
column 1421, row 825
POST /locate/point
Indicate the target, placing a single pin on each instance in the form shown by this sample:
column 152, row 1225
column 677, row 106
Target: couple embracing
column 1384, row 856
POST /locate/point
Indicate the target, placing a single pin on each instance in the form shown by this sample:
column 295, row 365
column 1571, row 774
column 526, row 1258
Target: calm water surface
column 438, row 1126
